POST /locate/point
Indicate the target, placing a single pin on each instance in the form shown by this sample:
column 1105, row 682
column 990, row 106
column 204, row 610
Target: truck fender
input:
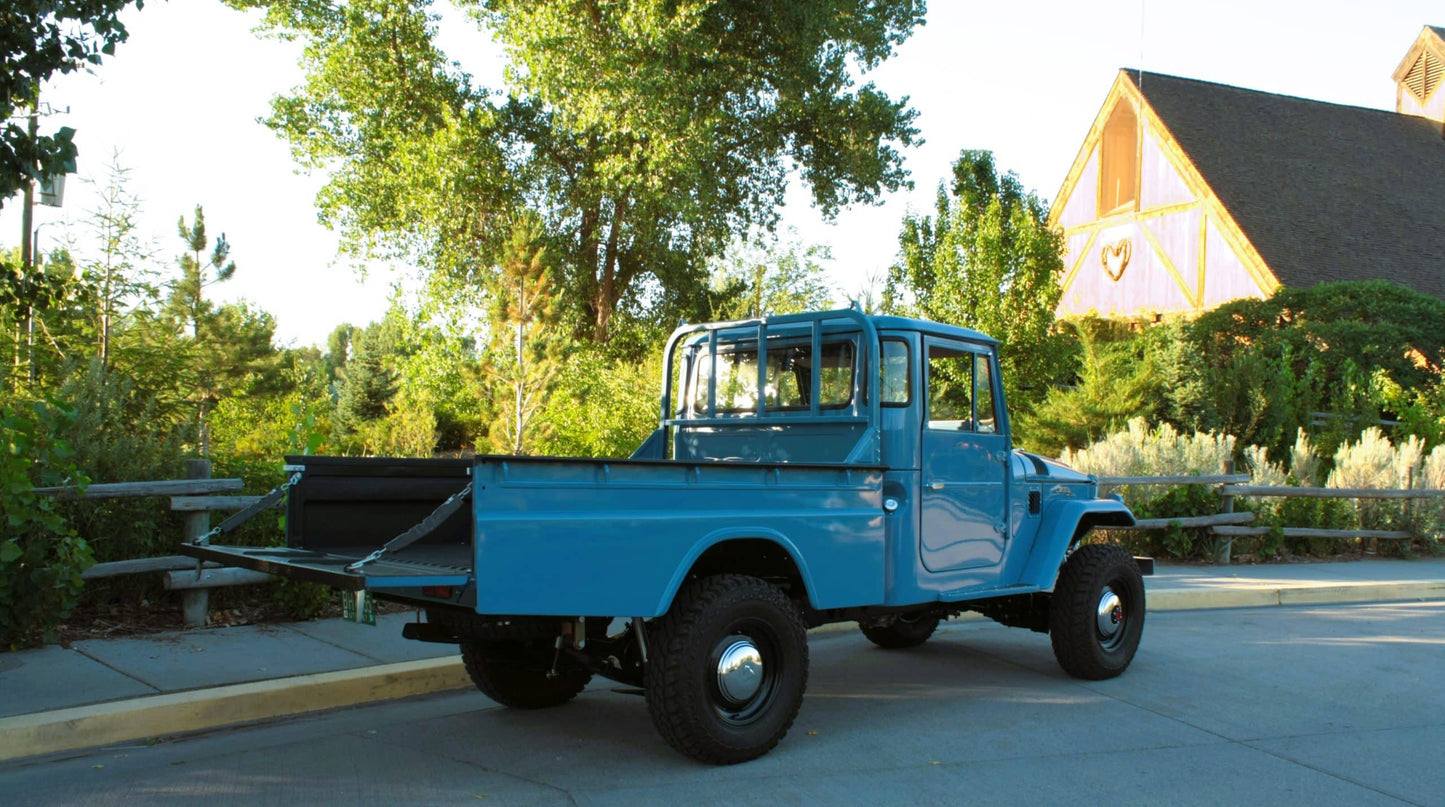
column 1064, row 522
column 735, row 534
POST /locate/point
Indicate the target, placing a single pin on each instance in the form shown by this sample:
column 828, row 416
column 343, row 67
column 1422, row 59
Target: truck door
column 964, row 462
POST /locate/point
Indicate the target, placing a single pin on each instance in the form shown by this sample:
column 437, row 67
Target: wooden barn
column 1187, row 194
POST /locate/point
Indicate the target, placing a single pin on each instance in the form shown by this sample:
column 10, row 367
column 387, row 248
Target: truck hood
column 1036, row 467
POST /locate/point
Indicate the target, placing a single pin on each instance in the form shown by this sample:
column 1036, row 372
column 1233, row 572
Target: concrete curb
column 1200, row 599
column 159, row 715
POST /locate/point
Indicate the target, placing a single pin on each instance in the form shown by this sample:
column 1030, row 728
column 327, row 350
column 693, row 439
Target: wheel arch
column 762, row 553
column 1064, row 525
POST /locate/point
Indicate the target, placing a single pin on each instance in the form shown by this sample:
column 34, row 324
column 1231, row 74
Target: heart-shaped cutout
column 1115, row 257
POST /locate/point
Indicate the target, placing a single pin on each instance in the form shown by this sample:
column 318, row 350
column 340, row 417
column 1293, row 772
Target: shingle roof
column 1440, row 32
column 1325, row 192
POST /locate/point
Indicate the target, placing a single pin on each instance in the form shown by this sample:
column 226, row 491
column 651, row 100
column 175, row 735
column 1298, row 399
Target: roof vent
column 1424, row 75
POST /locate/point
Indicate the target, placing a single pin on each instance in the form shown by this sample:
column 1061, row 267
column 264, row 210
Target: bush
column 41, row 556
column 1258, row 369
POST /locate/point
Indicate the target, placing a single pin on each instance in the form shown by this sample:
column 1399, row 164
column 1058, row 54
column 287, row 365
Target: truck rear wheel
column 728, row 668
column 1097, row 614
column 516, row 673
column 904, row 631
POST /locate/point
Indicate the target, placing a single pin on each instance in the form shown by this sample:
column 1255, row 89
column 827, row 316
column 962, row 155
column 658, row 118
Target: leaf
column 10, row 551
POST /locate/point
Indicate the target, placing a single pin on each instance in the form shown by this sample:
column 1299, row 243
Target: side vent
column 1035, row 500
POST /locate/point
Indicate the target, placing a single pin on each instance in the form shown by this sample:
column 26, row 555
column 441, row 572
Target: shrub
column 41, row 556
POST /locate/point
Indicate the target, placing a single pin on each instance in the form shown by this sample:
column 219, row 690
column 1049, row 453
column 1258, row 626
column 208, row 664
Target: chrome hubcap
column 1110, row 614
column 740, row 671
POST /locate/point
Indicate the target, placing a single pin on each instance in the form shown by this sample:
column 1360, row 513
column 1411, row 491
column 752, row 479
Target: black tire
column 700, row 711
column 1097, row 615
column 904, row 631
column 515, row 673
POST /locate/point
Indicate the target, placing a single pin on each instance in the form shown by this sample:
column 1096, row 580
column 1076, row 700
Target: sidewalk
column 100, row 692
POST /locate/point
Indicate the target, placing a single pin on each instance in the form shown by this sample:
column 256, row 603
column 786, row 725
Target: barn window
column 1424, row 75
column 1119, row 161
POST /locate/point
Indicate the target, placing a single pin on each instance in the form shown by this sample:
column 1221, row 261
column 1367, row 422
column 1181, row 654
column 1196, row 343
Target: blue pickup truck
column 808, row 469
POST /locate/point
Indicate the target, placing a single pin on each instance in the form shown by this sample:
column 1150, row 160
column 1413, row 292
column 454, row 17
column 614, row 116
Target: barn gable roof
column 1324, row 192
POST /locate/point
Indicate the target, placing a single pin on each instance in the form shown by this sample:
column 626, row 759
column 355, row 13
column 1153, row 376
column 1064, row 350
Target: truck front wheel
column 728, row 667
column 519, row 674
column 1097, row 614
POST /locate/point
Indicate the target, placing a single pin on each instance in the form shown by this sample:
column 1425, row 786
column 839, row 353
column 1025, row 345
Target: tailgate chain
column 419, row 531
column 264, row 503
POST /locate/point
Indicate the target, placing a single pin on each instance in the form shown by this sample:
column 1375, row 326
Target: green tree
column 645, row 135
column 119, row 270
column 367, row 383
column 39, row 38
column 1263, row 369
column 188, row 293
column 527, row 347
column 987, row 260
column 759, row 279
column 1119, row 378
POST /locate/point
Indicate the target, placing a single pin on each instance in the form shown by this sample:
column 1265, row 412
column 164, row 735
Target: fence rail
column 1228, row 525
column 195, row 498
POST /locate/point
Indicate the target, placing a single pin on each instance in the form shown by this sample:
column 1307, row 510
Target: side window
column 895, row 382
column 950, row 387
column 983, row 396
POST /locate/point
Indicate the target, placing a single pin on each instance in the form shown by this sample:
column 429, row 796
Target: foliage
column 643, row 134
column 770, row 277
column 38, row 39
column 1120, row 376
column 1260, row 368
column 987, row 260
column 119, row 270
column 120, row 432
column 602, row 407
column 367, row 384
column 527, row 347
column 41, row 556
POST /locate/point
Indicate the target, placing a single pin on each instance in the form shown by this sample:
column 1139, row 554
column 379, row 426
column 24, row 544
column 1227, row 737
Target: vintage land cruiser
column 807, row 469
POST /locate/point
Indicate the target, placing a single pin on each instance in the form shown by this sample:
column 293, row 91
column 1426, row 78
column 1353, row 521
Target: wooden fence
column 1228, row 525
column 196, row 497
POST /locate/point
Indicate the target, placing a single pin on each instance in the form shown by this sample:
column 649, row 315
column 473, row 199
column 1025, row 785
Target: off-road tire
column 515, row 673
column 685, row 693
column 1081, row 645
column 905, row 631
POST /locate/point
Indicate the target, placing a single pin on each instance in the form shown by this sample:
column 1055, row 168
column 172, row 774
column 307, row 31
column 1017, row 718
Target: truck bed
column 548, row 536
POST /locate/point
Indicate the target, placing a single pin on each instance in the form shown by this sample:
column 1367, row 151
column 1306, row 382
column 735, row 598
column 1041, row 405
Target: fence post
column 1223, row 544
column 196, row 602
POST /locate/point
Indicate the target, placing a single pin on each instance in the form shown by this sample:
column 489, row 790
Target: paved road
column 1322, row 706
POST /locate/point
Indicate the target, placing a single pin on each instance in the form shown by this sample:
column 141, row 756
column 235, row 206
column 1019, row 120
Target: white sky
column 180, row 101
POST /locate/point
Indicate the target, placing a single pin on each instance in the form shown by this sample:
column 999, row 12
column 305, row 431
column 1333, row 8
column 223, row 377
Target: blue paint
column 892, row 487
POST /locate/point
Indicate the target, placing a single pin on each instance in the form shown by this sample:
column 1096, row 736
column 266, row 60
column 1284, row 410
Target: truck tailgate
column 343, row 508
column 417, row 566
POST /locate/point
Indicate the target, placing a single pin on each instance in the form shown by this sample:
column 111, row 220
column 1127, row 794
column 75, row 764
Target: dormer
column 1419, row 76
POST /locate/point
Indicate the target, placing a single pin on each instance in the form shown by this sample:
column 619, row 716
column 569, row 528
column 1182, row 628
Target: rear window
column 788, row 381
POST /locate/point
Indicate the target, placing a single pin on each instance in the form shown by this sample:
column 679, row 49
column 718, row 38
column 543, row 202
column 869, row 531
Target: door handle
column 937, row 484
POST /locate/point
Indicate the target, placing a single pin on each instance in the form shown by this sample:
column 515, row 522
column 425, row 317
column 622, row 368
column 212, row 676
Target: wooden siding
column 1226, row 276
column 1082, row 206
column 1186, row 254
column 1162, row 184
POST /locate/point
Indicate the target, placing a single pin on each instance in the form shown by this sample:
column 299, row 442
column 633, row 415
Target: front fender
column 1064, row 522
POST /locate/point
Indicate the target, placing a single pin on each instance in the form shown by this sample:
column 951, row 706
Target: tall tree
column 119, row 269
column 39, row 38
column 767, row 278
column 208, row 327
column 644, row 134
column 527, row 348
column 987, row 260
column 188, row 293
